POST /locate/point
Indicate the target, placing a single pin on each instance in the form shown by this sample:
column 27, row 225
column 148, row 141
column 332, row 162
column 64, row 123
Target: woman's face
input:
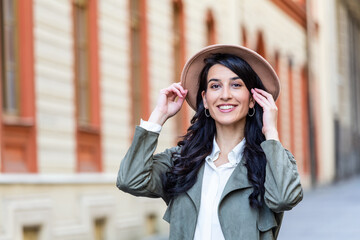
column 227, row 97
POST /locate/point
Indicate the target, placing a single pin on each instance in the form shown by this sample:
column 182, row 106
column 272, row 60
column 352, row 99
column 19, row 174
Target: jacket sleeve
column 140, row 170
column 282, row 182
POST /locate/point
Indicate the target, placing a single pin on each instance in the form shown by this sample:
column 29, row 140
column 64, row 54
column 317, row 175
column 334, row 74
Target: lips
column 226, row 107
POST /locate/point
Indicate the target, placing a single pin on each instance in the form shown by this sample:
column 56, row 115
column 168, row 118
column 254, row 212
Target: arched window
column 244, row 36
column 260, row 45
column 305, row 119
column 291, row 103
column 210, row 28
column 139, row 61
column 182, row 120
column 278, row 101
column 87, row 86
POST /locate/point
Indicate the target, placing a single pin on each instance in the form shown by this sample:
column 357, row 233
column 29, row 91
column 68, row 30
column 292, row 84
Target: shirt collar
column 234, row 156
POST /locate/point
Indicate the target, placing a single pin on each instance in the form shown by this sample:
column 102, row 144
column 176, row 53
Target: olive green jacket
column 140, row 175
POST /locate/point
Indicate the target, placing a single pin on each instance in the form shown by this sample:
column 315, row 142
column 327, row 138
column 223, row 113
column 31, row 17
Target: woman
column 230, row 177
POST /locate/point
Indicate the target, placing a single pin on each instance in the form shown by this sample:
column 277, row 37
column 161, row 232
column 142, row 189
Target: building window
column 210, row 28
column 244, row 36
column 151, row 224
column 82, row 61
column 305, row 119
column 17, row 114
column 10, row 76
column 87, row 86
column 291, row 104
column 278, row 101
column 100, row 229
column 182, row 121
column 31, row 232
column 260, row 45
column 139, row 61
column 354, row 70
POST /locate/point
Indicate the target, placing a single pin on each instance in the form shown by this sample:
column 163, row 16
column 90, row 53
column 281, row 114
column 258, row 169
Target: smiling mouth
column 226, row 107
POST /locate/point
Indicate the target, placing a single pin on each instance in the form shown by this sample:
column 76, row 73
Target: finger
column 266, row 94
column 264, row 103
column 180, row 100
column 172, row 97
column 260, row 102
column 175, row 90
column 169, row 94
column 261, row 99
column 263, row 92
column 178, row 86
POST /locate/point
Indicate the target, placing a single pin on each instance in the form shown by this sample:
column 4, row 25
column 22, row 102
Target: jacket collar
column 238, row 180
column 195, row 191
column 234, row 156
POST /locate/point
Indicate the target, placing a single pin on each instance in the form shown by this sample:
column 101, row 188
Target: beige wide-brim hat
column 190, row 75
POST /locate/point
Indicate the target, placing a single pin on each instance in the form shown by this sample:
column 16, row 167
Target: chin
column 230, row 122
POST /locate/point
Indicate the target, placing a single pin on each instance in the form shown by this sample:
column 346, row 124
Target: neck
column 227, row 137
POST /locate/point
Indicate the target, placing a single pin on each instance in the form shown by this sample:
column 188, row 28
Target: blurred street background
column 326, row 213
column 78, row 75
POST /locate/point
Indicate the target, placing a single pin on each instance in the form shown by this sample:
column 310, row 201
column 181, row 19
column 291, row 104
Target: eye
column 215, row 86
column 237, row 85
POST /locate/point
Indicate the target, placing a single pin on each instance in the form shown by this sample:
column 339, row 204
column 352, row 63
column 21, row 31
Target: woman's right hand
column 169, row 103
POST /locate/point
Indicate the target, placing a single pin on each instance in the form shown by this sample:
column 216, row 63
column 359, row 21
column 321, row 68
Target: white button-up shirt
column 213, row 184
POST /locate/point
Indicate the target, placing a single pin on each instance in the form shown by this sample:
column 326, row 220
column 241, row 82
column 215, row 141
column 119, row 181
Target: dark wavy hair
column 197, row 143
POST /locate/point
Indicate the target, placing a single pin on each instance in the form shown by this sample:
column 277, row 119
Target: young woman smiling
column 229, row 177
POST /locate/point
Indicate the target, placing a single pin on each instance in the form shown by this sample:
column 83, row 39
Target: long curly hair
column 197, row 143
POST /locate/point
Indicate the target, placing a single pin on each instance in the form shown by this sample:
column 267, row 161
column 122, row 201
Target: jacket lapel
column 238, row 180
column 195, row 191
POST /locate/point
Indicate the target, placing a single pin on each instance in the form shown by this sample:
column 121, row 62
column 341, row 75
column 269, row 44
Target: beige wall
column 114, row 46
column 332, row 87
column 326, row 74
column 54, row 88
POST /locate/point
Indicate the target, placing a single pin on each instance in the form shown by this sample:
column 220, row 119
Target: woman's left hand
column 266, row 101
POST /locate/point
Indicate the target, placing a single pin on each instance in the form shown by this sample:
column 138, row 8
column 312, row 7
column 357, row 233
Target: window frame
column 88, row 128
column 18, row 132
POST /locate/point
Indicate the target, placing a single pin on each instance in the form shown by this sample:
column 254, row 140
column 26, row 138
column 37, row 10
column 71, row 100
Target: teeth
column 226, row 107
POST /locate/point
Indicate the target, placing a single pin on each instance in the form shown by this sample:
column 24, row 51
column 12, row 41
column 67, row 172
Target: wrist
column 158, row 117
column 271, row 134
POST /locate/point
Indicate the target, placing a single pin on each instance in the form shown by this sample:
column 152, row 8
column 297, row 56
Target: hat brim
column 193, row 67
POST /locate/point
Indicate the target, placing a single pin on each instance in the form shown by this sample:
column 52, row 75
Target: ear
column 204, row 99
column 251, row 102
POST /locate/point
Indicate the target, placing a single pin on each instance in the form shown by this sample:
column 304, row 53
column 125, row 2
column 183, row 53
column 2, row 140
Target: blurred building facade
column 78, row 75
column 334, row 67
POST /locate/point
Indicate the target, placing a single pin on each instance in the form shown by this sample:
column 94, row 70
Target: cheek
column 209, row 98
column 244, row 98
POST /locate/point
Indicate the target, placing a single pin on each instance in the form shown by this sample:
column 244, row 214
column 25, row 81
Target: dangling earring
column 207, row 115
column 253, row 113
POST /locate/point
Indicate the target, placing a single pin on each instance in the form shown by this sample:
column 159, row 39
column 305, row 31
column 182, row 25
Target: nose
column 226, row 93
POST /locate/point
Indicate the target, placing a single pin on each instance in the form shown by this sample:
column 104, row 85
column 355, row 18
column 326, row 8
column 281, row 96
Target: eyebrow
column 218, row 80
